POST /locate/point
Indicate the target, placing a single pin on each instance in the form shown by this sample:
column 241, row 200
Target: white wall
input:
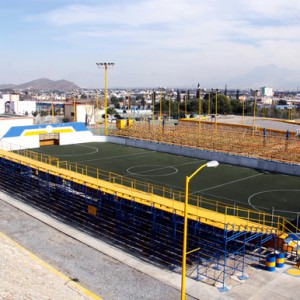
column 81, row 111
column 17, row 143
column 69, row 109
column 26, row 106
column 75, row 138
column 7, row 123
column 2, row 106
column 6, row 97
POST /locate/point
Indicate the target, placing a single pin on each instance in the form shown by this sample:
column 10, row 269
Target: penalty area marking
column 84, row 154
column 147, row 172
column 268, row 191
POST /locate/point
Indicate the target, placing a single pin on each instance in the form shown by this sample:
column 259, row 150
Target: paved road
column 109, row 278
column 261, row 123
column 100, row 274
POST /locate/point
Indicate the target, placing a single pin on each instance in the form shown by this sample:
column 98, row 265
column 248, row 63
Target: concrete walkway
column 24, row 276
column 261, row 284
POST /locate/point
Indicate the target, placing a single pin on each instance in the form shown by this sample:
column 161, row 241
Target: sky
column 153, row 43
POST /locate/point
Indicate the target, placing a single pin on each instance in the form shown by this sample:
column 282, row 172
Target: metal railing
column 264, row 219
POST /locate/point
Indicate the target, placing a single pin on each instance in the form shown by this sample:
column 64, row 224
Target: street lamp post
column 170, row 106
column 153, row 106
column 254, row 110
column 200, row 107
column 74, row 108
column 210, row 164
column 216, row 105
column 185, row 105
column 243, row 111
column 52, row 111
column 208, row 108
column 97, row 112
column 160, row 108
column 129, row 108
column 105, row 66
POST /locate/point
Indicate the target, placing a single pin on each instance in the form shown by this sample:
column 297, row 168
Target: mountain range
column 270, row 76
column 43, row 84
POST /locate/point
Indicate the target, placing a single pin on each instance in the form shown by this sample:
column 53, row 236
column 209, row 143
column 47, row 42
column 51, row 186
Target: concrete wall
column 81, row 111
column 2, row 106
column 99, row 138
column 76, row 138
column 26, row 106
column 253, row 163
column 7, row 123
column 21, row 142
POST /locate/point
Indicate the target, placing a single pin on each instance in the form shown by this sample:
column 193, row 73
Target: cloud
column 195, row 38
column 188, row 19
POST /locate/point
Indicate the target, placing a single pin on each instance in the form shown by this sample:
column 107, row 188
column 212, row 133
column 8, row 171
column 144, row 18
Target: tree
column 236, row 106
column 193, row 106
column 111, row 111
column 198, row 91
column 114, row 100
column 65, row 120
column 143, row 102
column 117, row 116
column 224, row 106
column 44, row 113
column 89, row 112
column 139, row 97
column 153, row 97
column 282, row 102
column 237, row 95
column 178, row 96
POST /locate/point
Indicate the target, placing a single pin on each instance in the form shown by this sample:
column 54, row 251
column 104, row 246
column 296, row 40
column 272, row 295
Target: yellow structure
column 186, row 208
column 169, row 201
column 121, row 123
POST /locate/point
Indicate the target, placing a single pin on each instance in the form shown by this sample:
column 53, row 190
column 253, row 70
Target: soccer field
column 256, row 189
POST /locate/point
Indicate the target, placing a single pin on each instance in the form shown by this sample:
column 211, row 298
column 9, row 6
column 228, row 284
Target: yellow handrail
column 262, row 218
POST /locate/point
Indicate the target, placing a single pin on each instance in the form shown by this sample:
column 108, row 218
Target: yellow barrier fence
column 276, row 222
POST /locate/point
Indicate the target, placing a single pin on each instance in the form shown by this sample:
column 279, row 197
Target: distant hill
column 42, row 84
column 270, row 75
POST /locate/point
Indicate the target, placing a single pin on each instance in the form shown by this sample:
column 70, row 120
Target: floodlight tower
column 216, row 106
column 199, row 107
column 254, row 110
column 105, row 66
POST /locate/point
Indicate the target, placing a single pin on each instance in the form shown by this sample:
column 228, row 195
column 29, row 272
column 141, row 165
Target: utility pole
column 105, row 66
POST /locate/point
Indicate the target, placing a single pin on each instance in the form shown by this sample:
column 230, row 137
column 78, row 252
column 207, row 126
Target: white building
column 15, row 106
column 26, row 107
column 2, row 106
column 84, row 113
column 266, row 91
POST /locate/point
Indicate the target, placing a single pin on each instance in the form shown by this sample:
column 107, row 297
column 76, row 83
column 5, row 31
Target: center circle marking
column 148, row 170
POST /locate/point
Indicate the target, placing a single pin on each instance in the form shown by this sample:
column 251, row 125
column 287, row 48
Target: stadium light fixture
column 105, row 66
column 210, row 164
